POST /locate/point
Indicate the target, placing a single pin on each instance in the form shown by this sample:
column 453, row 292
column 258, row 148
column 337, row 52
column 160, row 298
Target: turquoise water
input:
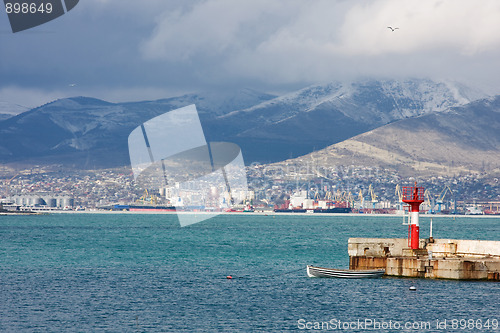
column 143, row 273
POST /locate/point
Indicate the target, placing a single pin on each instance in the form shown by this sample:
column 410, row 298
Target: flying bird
column 392, row 29
column 72, row 85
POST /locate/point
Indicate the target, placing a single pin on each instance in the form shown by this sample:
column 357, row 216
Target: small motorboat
column 313, row 271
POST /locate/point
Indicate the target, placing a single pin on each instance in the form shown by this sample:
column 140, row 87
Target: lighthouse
column 414, row 196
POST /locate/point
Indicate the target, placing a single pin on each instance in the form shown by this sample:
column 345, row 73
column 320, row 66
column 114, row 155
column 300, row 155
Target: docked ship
column 334, row 210
column 148, row 202
column 473, row 211
column 145, row 208
column 290, row 210
column 300, row 203
column 316, row 210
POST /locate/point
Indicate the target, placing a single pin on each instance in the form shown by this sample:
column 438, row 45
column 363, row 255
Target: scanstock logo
column 26, row 14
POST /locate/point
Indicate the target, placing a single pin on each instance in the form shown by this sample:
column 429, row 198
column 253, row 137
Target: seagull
column 72, row 85
column 392, row 29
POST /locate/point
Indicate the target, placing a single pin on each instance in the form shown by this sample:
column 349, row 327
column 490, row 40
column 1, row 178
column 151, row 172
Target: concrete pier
column 436, row 258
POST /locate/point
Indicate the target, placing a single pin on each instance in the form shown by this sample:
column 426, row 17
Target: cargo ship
column 316, row 210
column 240, row 209
column 301, row 202
column 144, row 208
column 333, row 210
column 286, row 210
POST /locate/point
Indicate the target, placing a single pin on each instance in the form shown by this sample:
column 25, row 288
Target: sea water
column 144, row 273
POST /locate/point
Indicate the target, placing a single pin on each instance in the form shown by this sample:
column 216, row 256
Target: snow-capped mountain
column 93, row 133
column 317, row 116
column 457, row 141
column 388, row 100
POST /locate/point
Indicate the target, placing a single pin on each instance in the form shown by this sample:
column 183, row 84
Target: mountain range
column 454, row 142
column 88, row 133
column 318, row 116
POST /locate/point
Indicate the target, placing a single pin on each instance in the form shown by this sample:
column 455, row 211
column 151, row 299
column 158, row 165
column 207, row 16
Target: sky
column 123, row 50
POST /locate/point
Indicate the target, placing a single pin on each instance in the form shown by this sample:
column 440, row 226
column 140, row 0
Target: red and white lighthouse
column 413, row 196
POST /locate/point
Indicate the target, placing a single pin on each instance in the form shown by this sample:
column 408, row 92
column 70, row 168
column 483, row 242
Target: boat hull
column 313, row 271
column 145, row 208
column 290, row 210
column 341, row 210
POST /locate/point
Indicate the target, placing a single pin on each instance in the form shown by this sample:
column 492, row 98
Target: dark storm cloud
column 123, row 50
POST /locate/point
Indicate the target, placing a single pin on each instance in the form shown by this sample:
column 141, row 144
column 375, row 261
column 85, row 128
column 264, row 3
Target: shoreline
column 248, row 214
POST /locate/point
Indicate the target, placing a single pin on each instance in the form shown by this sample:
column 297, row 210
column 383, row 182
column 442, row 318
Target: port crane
column 361, row 199
column 373, row 195
column 440, row 199
column 316, row 195
column 399, row 196
column 429, row 201
column 349, row 198
column 7, row 184
column 338, row 196
column 328, row 195
column 147, row 198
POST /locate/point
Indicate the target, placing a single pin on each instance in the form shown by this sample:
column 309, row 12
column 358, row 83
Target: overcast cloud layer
column 131, row 50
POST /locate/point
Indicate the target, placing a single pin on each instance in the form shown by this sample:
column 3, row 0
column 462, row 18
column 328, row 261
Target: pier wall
column 436, row 258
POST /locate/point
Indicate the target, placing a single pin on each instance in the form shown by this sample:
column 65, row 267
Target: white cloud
column 335, row 27
column 31, row 98
column 288, row 41
column 465, row 26
column 28, row 97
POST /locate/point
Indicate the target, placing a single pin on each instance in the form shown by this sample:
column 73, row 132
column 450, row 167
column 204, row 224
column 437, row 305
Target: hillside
column 458, row 141
column 318, row 116
column 87, row 133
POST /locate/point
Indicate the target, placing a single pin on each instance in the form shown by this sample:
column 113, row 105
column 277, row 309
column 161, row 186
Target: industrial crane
column 429, row 201
column 440, row 199
column 361, row 199
column 373, row 195
column 328, row 195
column 338, row 196
column 146, row 198
column 316, row 195
column 7, row 184
column 349, row 198
column 399, row 196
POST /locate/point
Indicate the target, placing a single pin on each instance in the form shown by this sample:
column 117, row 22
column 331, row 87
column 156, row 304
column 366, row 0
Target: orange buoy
column 229, row 277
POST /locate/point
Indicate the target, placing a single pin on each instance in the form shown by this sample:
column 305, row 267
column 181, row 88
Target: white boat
column 473, row 211
column 313, row 271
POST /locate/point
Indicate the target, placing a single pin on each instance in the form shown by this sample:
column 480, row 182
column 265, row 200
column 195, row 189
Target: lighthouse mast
column 413, row 196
